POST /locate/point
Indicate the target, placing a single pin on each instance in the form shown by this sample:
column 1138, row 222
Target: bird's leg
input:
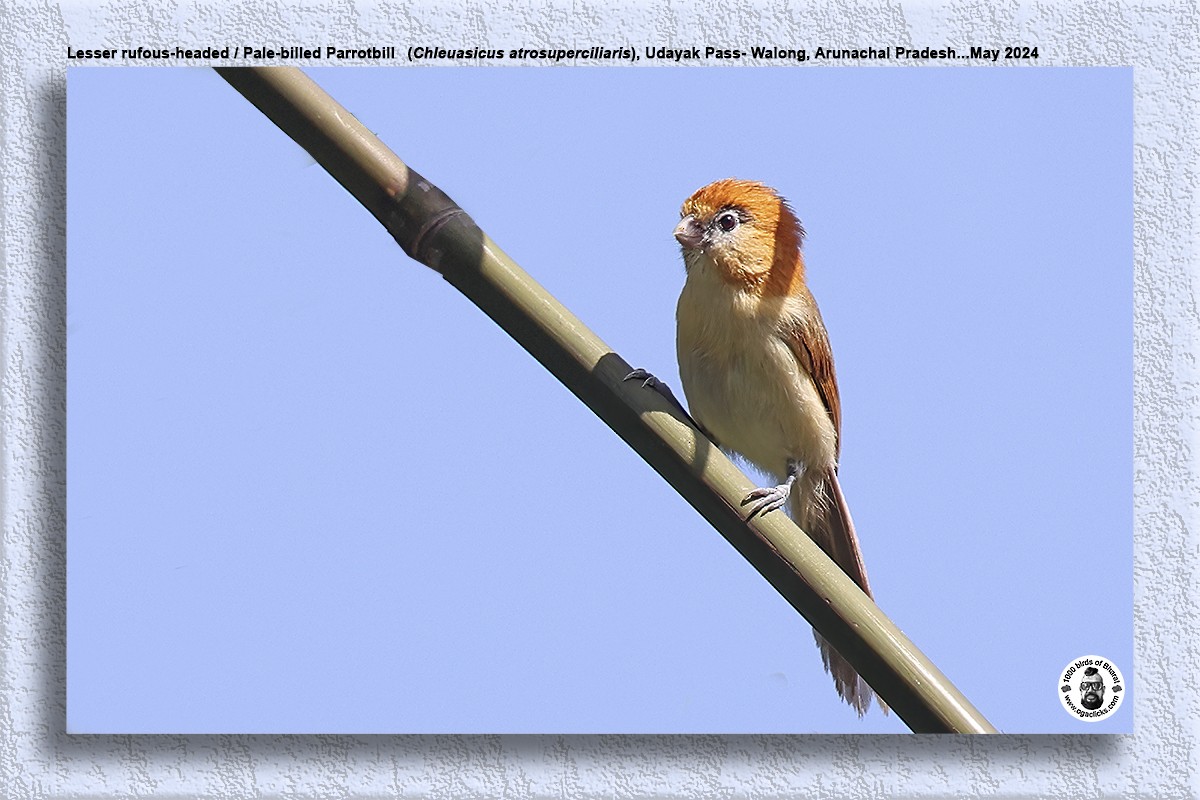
column 650, row 382
column 772, row 497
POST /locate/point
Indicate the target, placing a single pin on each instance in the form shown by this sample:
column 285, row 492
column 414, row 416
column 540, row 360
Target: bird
column 758, row 374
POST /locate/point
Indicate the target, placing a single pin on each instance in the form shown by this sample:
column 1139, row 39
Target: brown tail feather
column 819, row 508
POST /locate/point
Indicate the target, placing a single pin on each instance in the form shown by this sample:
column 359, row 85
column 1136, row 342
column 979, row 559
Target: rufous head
column 746, row 232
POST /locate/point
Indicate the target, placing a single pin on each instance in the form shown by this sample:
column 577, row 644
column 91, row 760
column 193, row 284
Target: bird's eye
column 727, row 221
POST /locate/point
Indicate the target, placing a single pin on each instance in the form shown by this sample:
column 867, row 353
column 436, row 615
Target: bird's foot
column 648, row 380
column 651, row 382
column 769, row 498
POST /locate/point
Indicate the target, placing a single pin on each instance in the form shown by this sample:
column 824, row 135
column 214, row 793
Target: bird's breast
column 743, row 382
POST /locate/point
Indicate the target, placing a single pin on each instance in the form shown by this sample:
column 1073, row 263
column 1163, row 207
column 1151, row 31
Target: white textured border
column 37, row 759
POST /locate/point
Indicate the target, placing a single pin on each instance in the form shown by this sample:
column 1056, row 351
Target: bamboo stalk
column 433, row 230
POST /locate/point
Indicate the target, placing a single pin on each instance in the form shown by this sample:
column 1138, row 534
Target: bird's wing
column 809, row 342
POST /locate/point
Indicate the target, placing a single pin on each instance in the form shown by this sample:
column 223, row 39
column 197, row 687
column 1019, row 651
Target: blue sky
column 313, row 489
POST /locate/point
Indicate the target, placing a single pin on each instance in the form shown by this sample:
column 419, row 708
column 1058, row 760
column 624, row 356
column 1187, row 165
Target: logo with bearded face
column 1091, row 688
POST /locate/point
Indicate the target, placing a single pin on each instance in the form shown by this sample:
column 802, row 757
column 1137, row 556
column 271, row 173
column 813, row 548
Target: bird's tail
column 819, row 508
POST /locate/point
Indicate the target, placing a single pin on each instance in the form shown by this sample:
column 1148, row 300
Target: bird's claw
column 651, row 382
column 769, row 498
column 647, row 379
